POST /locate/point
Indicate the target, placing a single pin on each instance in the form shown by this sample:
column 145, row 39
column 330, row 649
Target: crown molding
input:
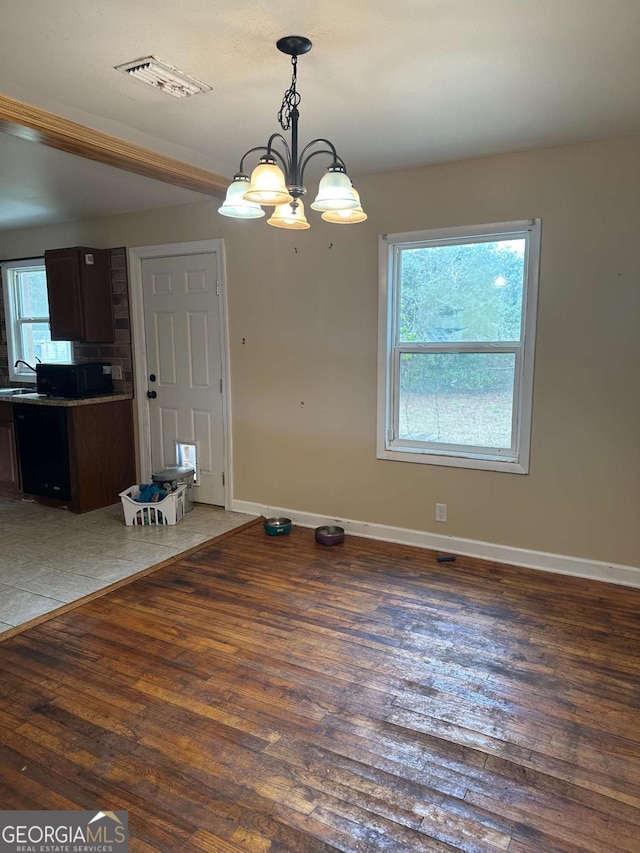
column 44, row 128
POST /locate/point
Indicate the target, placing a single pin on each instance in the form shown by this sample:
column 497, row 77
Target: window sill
column 449, row 461
column 26, row 378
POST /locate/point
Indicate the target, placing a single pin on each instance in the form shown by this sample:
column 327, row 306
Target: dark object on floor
column 330, row 535
column 277, row 526
column 448, row 559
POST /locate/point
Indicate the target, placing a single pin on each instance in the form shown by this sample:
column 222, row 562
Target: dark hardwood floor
column 269, row 694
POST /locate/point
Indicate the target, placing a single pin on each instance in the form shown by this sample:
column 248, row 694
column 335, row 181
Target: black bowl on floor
column 330, row 534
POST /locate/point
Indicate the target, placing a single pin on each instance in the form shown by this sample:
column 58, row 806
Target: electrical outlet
column 116, row 371
column 441, row 512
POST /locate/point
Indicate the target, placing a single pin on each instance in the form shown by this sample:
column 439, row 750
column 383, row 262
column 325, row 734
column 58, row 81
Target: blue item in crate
column 150, row 493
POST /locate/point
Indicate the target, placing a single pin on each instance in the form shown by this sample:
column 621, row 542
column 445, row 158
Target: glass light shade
column 335, row 192
column 235, row 204
column 288, row 216
column 267, row 185
column 346, row 217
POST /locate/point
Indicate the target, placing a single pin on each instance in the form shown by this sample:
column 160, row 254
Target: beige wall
column 304, row 380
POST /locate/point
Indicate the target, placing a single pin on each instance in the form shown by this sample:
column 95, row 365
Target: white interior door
column 184, row 363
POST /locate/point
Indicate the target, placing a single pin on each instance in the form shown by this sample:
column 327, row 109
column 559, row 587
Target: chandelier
column 278, row 179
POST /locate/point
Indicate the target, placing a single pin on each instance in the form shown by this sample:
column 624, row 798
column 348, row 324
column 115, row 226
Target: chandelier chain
column 291, row 99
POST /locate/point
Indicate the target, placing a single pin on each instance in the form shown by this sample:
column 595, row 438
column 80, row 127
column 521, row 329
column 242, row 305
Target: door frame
column 136, row 256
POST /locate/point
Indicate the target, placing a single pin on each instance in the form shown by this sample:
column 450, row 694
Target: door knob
column 152, row 395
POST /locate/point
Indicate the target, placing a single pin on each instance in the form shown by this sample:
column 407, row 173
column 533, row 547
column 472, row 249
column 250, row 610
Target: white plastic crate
column 167, row 511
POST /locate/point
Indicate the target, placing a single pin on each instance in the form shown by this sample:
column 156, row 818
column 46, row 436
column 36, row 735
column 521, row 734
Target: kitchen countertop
column 43, row 400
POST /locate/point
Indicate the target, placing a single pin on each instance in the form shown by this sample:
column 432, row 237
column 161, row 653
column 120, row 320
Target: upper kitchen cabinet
column 79, row 286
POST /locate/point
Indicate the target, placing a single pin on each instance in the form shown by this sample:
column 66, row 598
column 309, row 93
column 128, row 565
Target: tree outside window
column 458, row 315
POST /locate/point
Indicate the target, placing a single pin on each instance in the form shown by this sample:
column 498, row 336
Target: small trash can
column 171, row 478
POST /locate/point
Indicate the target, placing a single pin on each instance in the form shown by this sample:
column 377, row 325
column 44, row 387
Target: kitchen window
column 27, row 319
column 456, row 341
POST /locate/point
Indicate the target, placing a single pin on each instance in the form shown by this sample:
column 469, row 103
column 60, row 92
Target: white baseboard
column 542, row 560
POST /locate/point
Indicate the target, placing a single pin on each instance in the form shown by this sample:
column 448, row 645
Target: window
column 457, row 331
column 27, row 318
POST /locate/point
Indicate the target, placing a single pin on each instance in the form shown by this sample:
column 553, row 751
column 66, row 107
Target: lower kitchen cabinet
column 9, row 470
column 80, row 456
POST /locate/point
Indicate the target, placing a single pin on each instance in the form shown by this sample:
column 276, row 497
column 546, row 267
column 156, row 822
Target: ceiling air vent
column 154, row 72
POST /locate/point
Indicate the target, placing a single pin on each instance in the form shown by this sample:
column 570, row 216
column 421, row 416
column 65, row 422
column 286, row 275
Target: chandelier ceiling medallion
column 278, row 179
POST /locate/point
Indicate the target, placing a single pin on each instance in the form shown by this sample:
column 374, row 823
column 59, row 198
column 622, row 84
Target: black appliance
column 43, row 449
column 74, row 380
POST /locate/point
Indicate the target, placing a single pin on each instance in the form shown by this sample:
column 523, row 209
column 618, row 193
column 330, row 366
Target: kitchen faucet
column 26, row 363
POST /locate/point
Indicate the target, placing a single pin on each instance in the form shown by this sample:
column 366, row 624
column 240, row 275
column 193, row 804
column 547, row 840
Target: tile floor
column 50, row 557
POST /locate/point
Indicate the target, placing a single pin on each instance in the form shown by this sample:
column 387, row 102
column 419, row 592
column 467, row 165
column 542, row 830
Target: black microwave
column 74, row 380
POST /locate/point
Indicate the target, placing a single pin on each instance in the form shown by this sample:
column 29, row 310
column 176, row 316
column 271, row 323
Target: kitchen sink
column 16, row 392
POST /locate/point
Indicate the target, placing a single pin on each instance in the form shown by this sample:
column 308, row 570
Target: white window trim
column 14, row 342
column 387, row 448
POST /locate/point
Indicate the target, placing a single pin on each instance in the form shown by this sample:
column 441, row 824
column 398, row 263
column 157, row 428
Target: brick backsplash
column 118, row 353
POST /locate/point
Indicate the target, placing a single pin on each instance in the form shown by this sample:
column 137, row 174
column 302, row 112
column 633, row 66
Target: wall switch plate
column 441, row 512
column 116, row 371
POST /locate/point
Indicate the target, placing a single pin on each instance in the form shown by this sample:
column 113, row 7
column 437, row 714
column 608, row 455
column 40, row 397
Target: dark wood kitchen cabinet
column 9, row 470
column 78, row 455
column 79, row 287
column 101, row 453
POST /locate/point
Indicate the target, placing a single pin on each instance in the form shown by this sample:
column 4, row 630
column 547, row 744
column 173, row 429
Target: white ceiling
column 42, row 186
column 393, row 85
